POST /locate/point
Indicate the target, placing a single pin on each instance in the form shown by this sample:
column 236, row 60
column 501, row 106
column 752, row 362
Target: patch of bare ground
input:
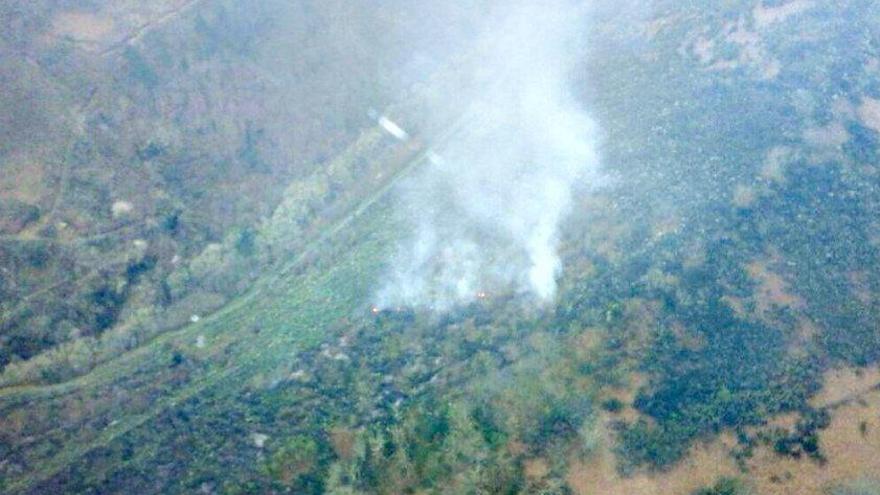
column 766, row 16
column 598, row 475
column 833, row 135
column 343, row 442
column 83, row 27
column 23, row 178
column 656, row 26
column 536, row 469
column 851, row 445
column 805, row 332
column 751, row 53
column 667, row 225
column 744, row 196
column 846, row 384
column 626, row 396
column 771, row 290
column 605, row 231
column 775, row 163
column 869, row 113
column 116, row 24
column 860, row 286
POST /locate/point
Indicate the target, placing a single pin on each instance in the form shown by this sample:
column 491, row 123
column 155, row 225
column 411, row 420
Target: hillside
column 198, row 209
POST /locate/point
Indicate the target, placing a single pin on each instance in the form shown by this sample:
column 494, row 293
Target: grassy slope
column 292, row 310
column 157, row 386
column 48, row 430
column 287, row 311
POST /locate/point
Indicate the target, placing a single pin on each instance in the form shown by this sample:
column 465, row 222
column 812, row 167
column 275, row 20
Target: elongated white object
column 393, row 129
column 434, row 158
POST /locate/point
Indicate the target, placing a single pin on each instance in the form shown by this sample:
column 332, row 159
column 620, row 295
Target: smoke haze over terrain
column 485, row 216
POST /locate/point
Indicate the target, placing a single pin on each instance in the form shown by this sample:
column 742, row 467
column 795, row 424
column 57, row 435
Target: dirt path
column 145, row 29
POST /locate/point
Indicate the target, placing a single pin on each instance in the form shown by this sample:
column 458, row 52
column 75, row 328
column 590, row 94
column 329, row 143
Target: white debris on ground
column 334, row 355
column 121, row 208
column 259, row 439
column 434, row 158
column 201, row 342
column 398, row 132
column 195, row 318
column 392, row 128
column 139, row 249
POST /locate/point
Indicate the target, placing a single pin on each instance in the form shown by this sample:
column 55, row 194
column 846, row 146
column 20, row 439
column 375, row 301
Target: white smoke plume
column 485, row 216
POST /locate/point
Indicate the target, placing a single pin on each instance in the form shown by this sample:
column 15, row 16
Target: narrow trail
column 80, row 240
column 139, row 32
column 78, row 281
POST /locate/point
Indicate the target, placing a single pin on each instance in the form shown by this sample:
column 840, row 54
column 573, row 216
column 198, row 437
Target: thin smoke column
column 486, row 217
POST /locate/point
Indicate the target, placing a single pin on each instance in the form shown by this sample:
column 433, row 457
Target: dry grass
column 23, row 178
column 744, row 196
column 844, row 384
column 766, row 16
column 774, row 165
column 771, row 291
column 850, row 454
column 598, row 475
column 83, row 26
column 869, row 113
column 536, row 469
column 833, row 135
column 343, row 442
column 851, row 444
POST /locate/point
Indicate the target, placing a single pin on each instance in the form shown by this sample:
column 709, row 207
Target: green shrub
column 725, row 486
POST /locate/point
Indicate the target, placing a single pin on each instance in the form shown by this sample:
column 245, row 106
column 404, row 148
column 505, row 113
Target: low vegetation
column 184, row 350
